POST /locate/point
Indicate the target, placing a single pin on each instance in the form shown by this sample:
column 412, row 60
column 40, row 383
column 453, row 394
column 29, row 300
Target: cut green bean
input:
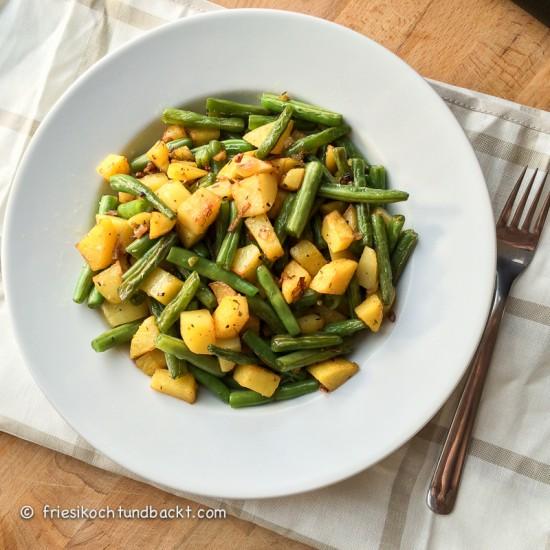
column 351, row 149
column 282, row 218
column 383, row 258
column 304, row 200
column 393, row 230
column 261, row 349
column 107, row 203
column 354, row 295
column 347, row 327
column 309, row 299
column 200, row 249
column 403, row 250
column 204, row 295
column 229, row 245
column 235, row 356
column 226, row 107
column 318, row 239
column 222, row 223
column 303, row 111
column 291, row 390
column 361, row 194
column 211, row 383
column 115, row 336
column 84, row 284
column 276, row 299
column 145, row 265
column 377, row 177
column 195, row 120
column 177, row 347
column 156, row 308
column 341, row 160
column 275, row 133
column 265, row 312
column 179, row 303
column 363, row 210
column 309, row 143
column 300, row 359
column 128, row 209
column 140, row 246
column 95, row 298
column 206, row 268
column 247, row 398
column 285, row 342
column 176, row 367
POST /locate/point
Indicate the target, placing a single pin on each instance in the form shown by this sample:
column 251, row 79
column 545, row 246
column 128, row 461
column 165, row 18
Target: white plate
column 407, row 371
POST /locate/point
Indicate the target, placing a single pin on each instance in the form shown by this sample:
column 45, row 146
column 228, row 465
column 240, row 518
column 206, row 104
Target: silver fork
column 517, row 239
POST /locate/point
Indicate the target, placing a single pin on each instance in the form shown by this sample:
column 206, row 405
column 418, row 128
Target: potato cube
column 184, row 387
column 228, row 171
column 108, row 281
column 233, row 344
column 124, row 232
column 334, row 277
column 310, row 323
column 201, row 136
column 258, row 135
column 112, row 165
column 328, row 207
column 118, row 314
column 98, row 245
column 222, row 188
column 371, row 312
column 265, row 236
column 139, row 220
column 330, row 160
column 367, row 270
column 161, row 285
column 172, row 194
column 343, row 254
column 284, row 164
column 336, row 232
column 172, row 132
column 197, row 212
column 278, row 204
column 257, row 378
column 246, row 261
column 221, row 290
column 249, row 165
column 159, row 155
column 185, row 171
column 182, row 153
column 295, row 279
column 292, row 180
column 350, row 215
column 333, row 373
column 255, row 195
column 308, row 256
column 188, row 238
column 198, row 330
column 160, row 225
column 125, row 197
column 145, row 338
column 151, row 361
column 230, row 316
column 154, row 181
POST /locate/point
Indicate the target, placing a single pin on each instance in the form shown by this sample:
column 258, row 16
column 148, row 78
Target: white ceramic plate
column 407, row 371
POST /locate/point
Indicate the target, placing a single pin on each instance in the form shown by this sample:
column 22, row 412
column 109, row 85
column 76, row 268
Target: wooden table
column 488, row 45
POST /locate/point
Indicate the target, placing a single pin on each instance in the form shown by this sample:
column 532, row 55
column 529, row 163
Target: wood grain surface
column 492, row 46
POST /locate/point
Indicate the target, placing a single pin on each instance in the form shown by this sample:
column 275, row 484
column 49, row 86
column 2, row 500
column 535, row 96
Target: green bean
column 305, row 198
column 212, row 383
column 291, row 390
column 261, row 349
column 403, row 250
column 140, row 246
column 128, row 209
column 115, row 336
column 255, row 121
column 308, row 299
column 247, row 398
column 354, row 295
column 222, row 223
column 179, row 303
column 361, row 194
column 156, row 308
column 341, row 159
column 279, row 304
column 235, row 356
column 377, row 177
column 107, row 203
column 200, row 249
column 299, row 359
column 393, row 230
column 204, row 295
column 177, row 347
column 333, row 301
column 236, row 146
column 383, row 258
column 363, row 210
column 95, row 298
column 206, row 268
column 282, row 218
column 327, row 176
column 140, row 163
column 145, row 265
column 284, row 342
column 308, row 144
column 295, row 375
column 229, row 245
column 84, row 284
column 345, row 328
column 226, row 107
column 231, row 382
column 195, row 120
column 318, row 239
column 129, row 184
column 204, row 155
column 176, row 367
column 351, row 150
column 264, row 311
column 275, row 133
column 302, row 111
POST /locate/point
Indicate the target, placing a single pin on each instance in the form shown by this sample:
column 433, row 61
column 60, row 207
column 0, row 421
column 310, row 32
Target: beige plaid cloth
column 505, row 496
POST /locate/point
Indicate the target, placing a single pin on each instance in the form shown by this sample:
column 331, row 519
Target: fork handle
column 445, row 482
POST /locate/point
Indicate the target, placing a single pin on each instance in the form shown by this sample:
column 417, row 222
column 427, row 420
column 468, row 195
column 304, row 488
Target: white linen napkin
column 505, row 495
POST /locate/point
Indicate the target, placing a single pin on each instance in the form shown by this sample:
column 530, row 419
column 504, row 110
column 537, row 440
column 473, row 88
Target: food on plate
column 245, row 252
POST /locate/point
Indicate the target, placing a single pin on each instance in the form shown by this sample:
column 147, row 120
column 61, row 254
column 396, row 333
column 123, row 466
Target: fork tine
column 523, row 201
column 530, row 215
column 543, row 213
column 510, row 202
